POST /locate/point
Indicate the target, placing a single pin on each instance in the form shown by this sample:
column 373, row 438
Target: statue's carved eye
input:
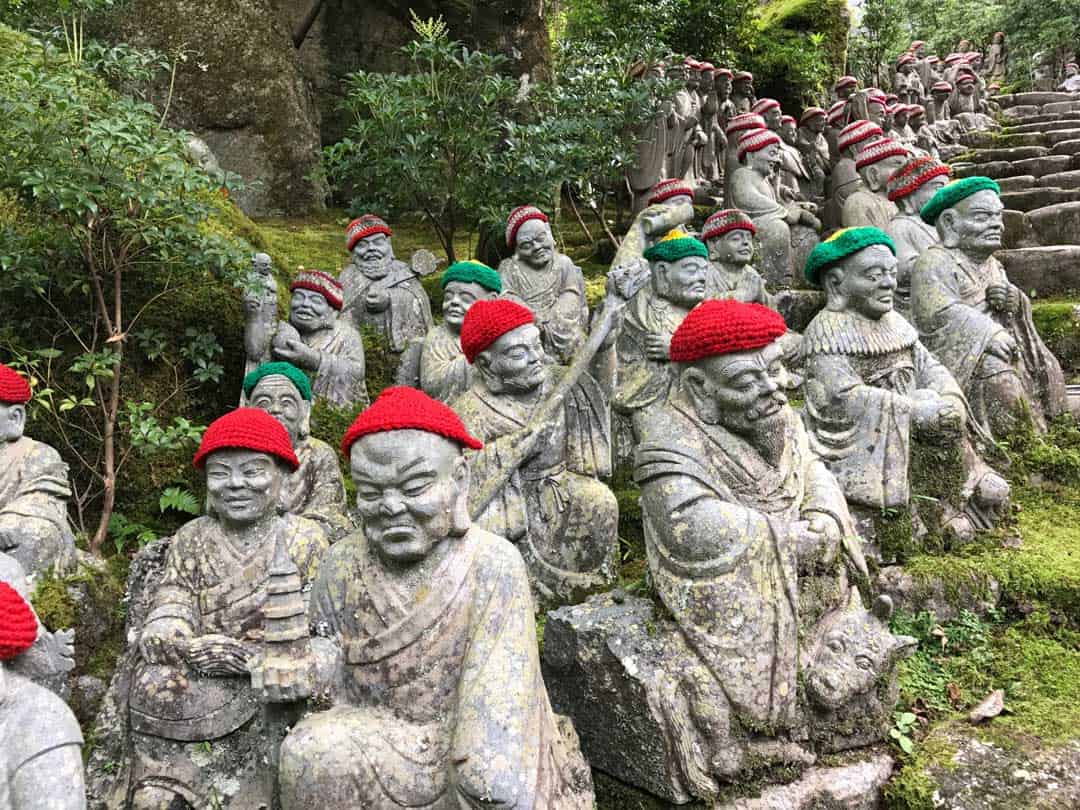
column 836, row 645
column 864, row 662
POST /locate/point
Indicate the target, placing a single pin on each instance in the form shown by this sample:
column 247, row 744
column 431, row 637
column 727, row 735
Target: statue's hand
column 1003, row 346
column 658, row 347
column 162, row 642
column 298, row 353
column 377, row 300
column 218, row 655
column 813, row 540
column 283, row 680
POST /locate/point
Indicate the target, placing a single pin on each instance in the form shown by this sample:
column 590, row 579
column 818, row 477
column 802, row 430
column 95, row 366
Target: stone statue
column 725, row 113
column 545, row 281
column 794, row 168
column 872, row 389
column 742, row 91
column 967, row 105
column 652, row 146
column 834, row 118
column 260, row 312
column 34, row 489
column 199, row 152
column 683, row 122
column 925, row 137
column 786, row 229
column 844, row 180
column 911, row 187
column 438, row 701
column 902, row 126
column 790, row 168
column 869, row 206
column 319, row 341
column 974, row 320
column 997, row 58
column 41, row 758
column 316, row 490
column 206, row 669
column 707, row 167
column 813, row 148
column 548, row 442
column 1071, row 84
column 729, row 237
column 845, row 87
column 380, row 291
column 737, row 126
column 671, row 206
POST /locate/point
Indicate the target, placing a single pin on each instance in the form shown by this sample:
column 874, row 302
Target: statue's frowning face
column 458, row 296
column 309, row 311
column 375, row 251
column 733, row 247
column 515, row 362
column 976, row 223
column 534, row 245
column 682, row 282
column 864, row 283
column 410, row 484
column 12, row 421
column 278, row 396
column 242, row 485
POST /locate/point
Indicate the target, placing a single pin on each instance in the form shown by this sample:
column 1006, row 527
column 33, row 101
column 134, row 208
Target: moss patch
column 1058, row 327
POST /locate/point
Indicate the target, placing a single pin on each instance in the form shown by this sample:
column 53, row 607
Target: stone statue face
column 876, row 113
column 411, row 492
column 723, row 86
column 309, row 311
column 1070, row 71
column 863, row 283
column 277, row 395
column 744, row 87
column 966, row 89
column 974, row 224
column 535, row 246
column 457, row 298
column 900, row 119
column 816, row 124
column 764, row 161
column 677, row 72
column 261, row 263
column 789, row 134
column 242, row 485
column 706, row 82
column 733, row 247
column 373, row 255
column 877, row 174
column 772, row 118
column 681, row 199
column 922, row 195
column 692, row 80
column 844, row 93
column 12, row 422
column 515, row 362
column 681, row 282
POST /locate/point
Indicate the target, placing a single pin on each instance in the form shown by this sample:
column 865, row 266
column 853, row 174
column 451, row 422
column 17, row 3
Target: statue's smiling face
column 534, row 243
column 309, row 311
column 764, row 161
column 277, row 395
column 864, row 283
column 515, row 362
column 374, row 252
column 682, row 282
column 457, row 298
column 12, row 421
column 408, row 485
column 733, row 247
column 242, row 485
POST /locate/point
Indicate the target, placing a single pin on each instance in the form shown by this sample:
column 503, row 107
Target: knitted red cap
column 18, row 624
column 691, row 62
column 953, row 58
column 403, row 408
column 323, row 283
column 743, row 74
column 836, row 112
column 880, row 100
column 933, row 60
column 913, row 174
column 14, row 389
column 364, row 226
column 724, row 72
column 788, row 119
column 248, row 429
column 755, row 141
column 942, row 87
column 845, row 81
column 915, row 110
column 716, row 327
column 905, row 59
column 518, row 217
column 917, row 43
column 706, row 67
column 879, row 150
column 722, row 222
column 857, row 132
column 744, row 122
column 965, row 78
column 810, row 113
column 763, row 105
column 487, row 321
column 666, row 189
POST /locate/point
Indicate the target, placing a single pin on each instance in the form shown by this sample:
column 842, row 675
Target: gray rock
column 1039, row 166
column 1052, row 124
column 1062, row 107
column 1057, row 224
column 86, row 694
column 857, row 786
column 1047, row 271
column 1059, row 135
column 1067, row 147
column 1015, row 153
column 1019, row 183
column 799, row 306
column 1034, row 198
column 1069, row 179
column 1036, row 99
column 1022, row 112
column 935, row 596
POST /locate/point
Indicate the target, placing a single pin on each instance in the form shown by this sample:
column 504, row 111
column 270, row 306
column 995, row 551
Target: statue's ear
column 17, row 414
column 946, row 228
column 883, row 608
column 305, row 419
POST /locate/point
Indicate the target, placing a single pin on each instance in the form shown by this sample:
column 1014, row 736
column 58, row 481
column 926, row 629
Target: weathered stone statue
column 707, row 167
column 911, row 187
column 439, row 701
column 974, row 320
column 41, row 756
column 813, row 146
column 548, row 442
column 845, row 87
column 737, row 126
column 380, row 291
column 726, row 110
column 34, row 488
column 260, row 312
column 786, row 230
column 742, row 91
column 683, row 122
column 317, row 340
column 872, row 389
column 902, row 126
column 316, row 490
column 729, row 237
column 869, row 206
column 1071, row 84
column 652, row 148
column 793, row 166
column 206, row 669
column 845, row 180
column 834, row 118
column 671, row 206
column 997, row 58
column 925, row 138
column 545, row 281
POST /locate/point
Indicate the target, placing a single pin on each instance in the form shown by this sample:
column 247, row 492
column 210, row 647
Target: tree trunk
column 112, row 413
column 304, row 26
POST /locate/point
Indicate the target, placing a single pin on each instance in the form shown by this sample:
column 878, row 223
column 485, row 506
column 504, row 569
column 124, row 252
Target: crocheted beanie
column 755, row 141
column 836, row 112
column 364, row 226
column 248, row 429
column 933, row 60
column 487, row 321
column 744, row 123
column 879, row 150
column 941, row 87
column 518, row 217
column 916, row 44
column 905, row 59
column 965, row 77
column 18, row 624
column 279, row 369
column 913, row 175
column 810, row 113
column 724, row 72
column 473, row 272
column 879, row 99
column 953, row 58
column 666, row 189
column 716, row 327
column 763, row 105
column 722, row 222
column 857, row 132
column 675, row 246
column 949, row 195
column 14, row 389
column 323, row 283
column 788, row 119
column 845, row 81
column 743, row 75
column 403, row 408
column 839, row 246
column 915, row 110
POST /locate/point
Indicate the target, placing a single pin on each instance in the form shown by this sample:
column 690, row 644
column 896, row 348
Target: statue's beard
column 374, row 266
column 769, row 438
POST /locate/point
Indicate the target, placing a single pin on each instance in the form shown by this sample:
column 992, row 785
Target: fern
column 180, row 500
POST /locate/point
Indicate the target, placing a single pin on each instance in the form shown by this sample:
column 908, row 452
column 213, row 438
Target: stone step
column 1072, row 122
column 1038, row 166
column 1059, row 135
column 1062, row 107
column 1036, row 117
column 1033, row 99
column 1070, row 179
column 1021, row 182
column 1057, row 224
column 990, row 140
column 1034, row 198
column 1010, row 155
column 1047, row 271
column 1066, row 148
column 1023, row 113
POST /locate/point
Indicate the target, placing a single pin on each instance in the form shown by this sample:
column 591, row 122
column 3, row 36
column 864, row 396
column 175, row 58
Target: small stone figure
column 742, row 91
column 671, row 206
column 834, row 118
column 41, row 758
column 870, row 206
column 652, row 148
column 845, row 88
column 548, row 442
column 707, row 168
column 546, row 281
column 925, row 137
column 814, row 148
column 438, row 701
column 1072, row 79
column 260, row 312
column 318, row 340
column 872, row 389
column 997, row 58
column 844, row 180
column 380, row 291
column 201, row 646
column 974, row 320
column 793, row 169
column 902, row 126
column 683, row 122
column 316, row 490
column 729, row 236
column 911, row 187
column 34, row 489
column 738, row 126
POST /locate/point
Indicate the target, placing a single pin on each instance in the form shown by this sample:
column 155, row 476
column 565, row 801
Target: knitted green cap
column 471, row 272
column 841, row 245
column 295, row 375
column 671, row 249
column 950, row 194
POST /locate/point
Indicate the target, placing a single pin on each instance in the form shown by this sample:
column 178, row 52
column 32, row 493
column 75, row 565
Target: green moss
column 912, row 788
column 53, row 603
column 1057, row 325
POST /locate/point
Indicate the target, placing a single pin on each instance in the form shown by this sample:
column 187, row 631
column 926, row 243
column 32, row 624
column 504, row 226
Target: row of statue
column 292, row 652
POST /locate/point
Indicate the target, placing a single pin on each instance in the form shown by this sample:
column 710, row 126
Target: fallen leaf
column 955, row 697
column 991, row 706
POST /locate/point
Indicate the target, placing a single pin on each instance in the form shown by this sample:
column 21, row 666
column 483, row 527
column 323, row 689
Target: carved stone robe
column 556, row 296
column 442, row 702
column 911, row 236
column 316, row 490
column 339, row 378
column 865, row 208
column 34, row 491
column 748, row 286
column 409, row 314
column 444, row 371
column 639, row 381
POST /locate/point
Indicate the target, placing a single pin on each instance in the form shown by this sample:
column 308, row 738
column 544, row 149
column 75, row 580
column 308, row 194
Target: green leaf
column 180, row 500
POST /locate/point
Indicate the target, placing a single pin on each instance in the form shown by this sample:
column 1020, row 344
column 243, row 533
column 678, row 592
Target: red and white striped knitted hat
column 916, row 44
column 364, row 226
column 811, row 112
column 913, row 174
column 877, row 98
column 744, row 122
column 323, row 283
column 857, row 132
column 845, row 81
column 915, row 110
column 905, row 59
column 743, row 74
column 879, row 150
column 953, row 58
column 724, row 72
column 518, row 217
column 763, row 105
column 941, row 87
column 788, row 119
column 836, row 112
column 933, row 60
column 730, row 219
column 965, row 77
column 666, row 189
column 755, row 141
